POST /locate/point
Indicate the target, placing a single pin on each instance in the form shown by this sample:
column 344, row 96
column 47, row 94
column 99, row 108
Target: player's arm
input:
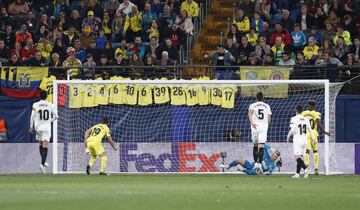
column 250, row 114
column 269, row 119
column 87, row 134
column 111, row 143
column 54, row 114
column 291, row 132
column 321, row 127
column 32, row 120
column 308, row 128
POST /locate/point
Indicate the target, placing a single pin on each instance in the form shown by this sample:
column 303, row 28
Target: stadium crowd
column 92, row 33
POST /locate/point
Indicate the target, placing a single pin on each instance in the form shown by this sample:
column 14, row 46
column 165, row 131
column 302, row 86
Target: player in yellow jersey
column 314, row 118
column 47, row 85
column 93, row 138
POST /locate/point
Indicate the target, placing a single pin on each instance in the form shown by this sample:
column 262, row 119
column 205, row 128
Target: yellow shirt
column 309, row 52
column 204, row 92
column 243, row 25
column 133, row 22
column 47, row 85
column 101, row 93
column 192, row 96
column 75, row 96
column 178, row 96
column 117, row 92
column 161, row 93
column 97, row 133
column 312, row 116
column 145, row 95
column 216, row 95
column 253, row 39
column 228, row 97
column 88, row 96
column 191, row 8
column 131, row 94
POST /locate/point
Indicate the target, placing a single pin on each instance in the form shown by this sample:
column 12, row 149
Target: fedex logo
column 179, row 156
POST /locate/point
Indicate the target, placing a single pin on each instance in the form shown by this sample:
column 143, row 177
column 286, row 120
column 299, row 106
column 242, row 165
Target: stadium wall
column 162, row 157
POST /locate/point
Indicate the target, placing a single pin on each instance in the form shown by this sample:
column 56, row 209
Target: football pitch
column 178, row 192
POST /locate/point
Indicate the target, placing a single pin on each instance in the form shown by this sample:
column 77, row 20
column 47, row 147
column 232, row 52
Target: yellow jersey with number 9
column 312, row 116
column 97, row 133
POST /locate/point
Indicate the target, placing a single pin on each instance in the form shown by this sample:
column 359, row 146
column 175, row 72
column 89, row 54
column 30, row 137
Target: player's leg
column 298, row 152
column 92, row 158
column 255, row 139
column 307, row 154
column 233, row 164
column 316, row 158
column 103, row 159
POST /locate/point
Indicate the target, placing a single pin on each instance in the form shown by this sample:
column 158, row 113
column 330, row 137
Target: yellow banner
column 265, row 73
column 22, row 76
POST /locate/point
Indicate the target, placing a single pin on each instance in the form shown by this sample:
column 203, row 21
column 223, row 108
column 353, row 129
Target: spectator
column 89, row 71
column 31, row 22
column 55, row 60
column 191, row 7
column 91, row 22
column 137, row 62
column 117, row 28
column 80, row 52
column 234, row 34
column 242, row 22
column 62, row 22
column 94, row 6
column 248, row 7
column 350, row 25
column 140, row 47
column 222, row 59
column 311, row 50
column 253, row 37
column 125, row 7
column 18, row 8
column 150, row 49
column 153, row 31
column 305, row 20
column 340, row 49
column 254, row 60
column 101, row 39
column 265, row 32
column 329, row 60
column 186, row 23
column 286, row 59
column 298, row 38
column 75, row 20
column 148, row 17
column 280, row 32
column 70, row 36
column 72, row 61
column 45, row 48
column 262, row 48
column 86, row 37
column 106, row 24
column 350, row 8
column 111, row 6
column 8, row 36
column 278, row 48
column 315, row 33
column 169, row 48
column 345, row 34
column 43, row 21
column 328, row 33
column 231, row 47
column 133, row 26
column 245, row 47
column 269, row 59
column 83, row 9
column 19, row 51
column 354, row 49
column 14, row 59
column 265, row 9
column 325, row 6
column 242, row 59
column 37, row 60
column 29, row 49
column 166, row 19
column 120, row 60
column 41, row 33
column 22, row 35
column 286, row 21
column 178, row 36
column 157, row 7
column 164, row 62
column 54, row 8
column 122, row 48
column 257, row 22
column 300, row 61
column 150, row 62
column 327, row 46
column 59, row 49
column 4, row 52
column 319, row 18
column 108, row 51
column 333, row 19
column 5, row 19
column 174, row 6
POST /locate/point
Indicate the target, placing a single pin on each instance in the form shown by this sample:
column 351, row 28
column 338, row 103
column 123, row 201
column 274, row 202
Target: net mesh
column 180, row 127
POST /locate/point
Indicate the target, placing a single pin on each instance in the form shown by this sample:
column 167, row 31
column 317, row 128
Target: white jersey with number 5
column 299, row 126
column 43, row 113
column 261, row 113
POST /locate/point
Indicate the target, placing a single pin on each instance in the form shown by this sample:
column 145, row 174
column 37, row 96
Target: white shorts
column 299, row 147
column 43, row 135
column 259, row 135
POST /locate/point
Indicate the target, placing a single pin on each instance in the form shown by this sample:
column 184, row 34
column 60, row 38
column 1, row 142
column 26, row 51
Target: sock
column 41, row 151
column 316, row 160
column 255, row 153
column 261, row 154
column 103, row 164
column 233, row 164
column 44, row 155
column 307, row 159
column 301, row 163
column 298, row 165
column 92, row 161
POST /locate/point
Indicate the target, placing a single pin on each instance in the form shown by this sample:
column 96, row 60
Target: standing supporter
column 222, row 59
column 280, row 32
column 125, row 7
column 305, row 20
column 157, row 7
column 117, row 28
column 191, row 7
column 111, row 6
column 298, row 38
column 132, row 26
column 185, row 22
column 45, row 48
column 178, row 36
column 242, row 22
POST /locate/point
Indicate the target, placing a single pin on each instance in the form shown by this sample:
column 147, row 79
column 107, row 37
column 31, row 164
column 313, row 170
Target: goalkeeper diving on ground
column 93, row 138
column 270, row 162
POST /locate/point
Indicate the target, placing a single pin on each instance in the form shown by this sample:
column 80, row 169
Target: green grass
column 175, row 192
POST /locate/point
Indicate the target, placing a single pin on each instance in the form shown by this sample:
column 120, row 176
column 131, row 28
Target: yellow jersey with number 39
column 97, row 133
column 161, row 93
column 312, row 116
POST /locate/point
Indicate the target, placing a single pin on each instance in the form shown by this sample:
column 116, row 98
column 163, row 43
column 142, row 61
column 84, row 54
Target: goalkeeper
column 268, row 165
column 93, row 138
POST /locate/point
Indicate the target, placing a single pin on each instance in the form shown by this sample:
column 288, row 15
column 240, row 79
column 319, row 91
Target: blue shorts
column 248, row 165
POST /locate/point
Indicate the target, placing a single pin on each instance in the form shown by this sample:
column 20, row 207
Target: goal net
column 183, row 125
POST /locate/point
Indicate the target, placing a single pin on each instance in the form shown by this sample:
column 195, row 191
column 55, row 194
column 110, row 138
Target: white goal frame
column 326, row 84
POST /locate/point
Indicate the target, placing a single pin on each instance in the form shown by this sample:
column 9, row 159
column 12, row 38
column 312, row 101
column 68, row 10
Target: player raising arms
column 93, row 138
column 42, row 115
column 268, row 165
column 260, row 117
column 314, row 118
column 299, row 127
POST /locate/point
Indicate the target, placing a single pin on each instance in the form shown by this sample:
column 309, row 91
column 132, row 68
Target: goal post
column 182, row 126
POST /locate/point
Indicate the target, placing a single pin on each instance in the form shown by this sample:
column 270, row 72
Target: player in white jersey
column 299, row 126
column 260, row 117
column 42, row 115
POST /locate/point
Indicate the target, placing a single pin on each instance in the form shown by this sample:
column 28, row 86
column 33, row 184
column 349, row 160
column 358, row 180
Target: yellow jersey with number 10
column 312, row 116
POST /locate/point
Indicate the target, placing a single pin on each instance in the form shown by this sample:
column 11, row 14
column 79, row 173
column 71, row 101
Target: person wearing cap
column 286, row 59
column 87, row 36
column 222, row 59
column 90, row 21
column 271, row 161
